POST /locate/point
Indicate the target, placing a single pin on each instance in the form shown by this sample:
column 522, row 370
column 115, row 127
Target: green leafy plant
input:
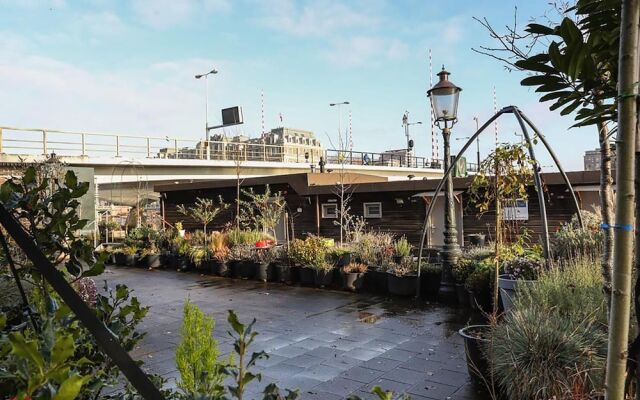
column 263, row 211
column 523, row 268
column 402, row 247
column 406, row 267
column 201, row 373
column 205, row 211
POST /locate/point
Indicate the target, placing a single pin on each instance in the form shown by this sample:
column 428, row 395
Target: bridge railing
column 35, row 142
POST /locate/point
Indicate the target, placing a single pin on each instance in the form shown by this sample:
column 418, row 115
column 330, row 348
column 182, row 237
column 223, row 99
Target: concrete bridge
column 129, row 162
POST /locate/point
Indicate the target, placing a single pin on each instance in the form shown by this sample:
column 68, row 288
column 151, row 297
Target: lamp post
column 206, row 108
column 444, row 100
column 406, row 124
column 340, row 144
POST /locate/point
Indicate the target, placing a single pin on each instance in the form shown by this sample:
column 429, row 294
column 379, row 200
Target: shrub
column 240, row 236
column 201, row 374
column 241, row 252
column 538, row 354
column 573, row 241
column 404, row 268
column 522, row 268
column 312, row 251
column 402, row 247
column 462, row 269
column 11, row 304
column 554, row 341
column 481, row 279
column 374, row 248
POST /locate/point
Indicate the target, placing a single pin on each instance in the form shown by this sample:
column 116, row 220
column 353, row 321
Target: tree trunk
column 625, row 197
column 606, row 206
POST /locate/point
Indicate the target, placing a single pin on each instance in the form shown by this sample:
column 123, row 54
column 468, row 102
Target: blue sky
column 128, row 67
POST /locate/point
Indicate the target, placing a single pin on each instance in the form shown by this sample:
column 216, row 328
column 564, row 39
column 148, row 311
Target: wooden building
column 398, row 207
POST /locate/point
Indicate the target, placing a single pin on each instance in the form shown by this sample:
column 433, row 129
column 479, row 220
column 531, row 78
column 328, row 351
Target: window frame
column 365, row 209
column 323, row 210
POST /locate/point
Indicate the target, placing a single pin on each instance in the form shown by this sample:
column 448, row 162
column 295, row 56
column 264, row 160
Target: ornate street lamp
column 444, row 100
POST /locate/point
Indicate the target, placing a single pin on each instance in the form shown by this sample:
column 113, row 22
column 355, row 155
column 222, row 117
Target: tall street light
column 444, row 101
column 339, row 105
column 206, row 108
column 406, row 124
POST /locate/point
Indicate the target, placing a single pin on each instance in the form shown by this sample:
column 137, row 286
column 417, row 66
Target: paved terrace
column 329, row 344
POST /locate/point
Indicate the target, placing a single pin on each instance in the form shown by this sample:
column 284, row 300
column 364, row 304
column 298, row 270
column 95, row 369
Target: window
column 372, row 210
column 329, row 211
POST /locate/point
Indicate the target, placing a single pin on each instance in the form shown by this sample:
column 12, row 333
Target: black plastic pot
column 182, row 263
column 402, row 285
column 307, row 276
column 243, row 269
column 462, row 294
column 153, row 261
column 323, row 277
column 282, row 273
column 343, row 259
column 219, row 268
column 141, row 261
column 261, row 272
column 474, row 339
column 131, row 260
column 206, row 266
column 120, row 258
column 353, row 281
column 430, row 284
column 375, row 281
column 294, row 273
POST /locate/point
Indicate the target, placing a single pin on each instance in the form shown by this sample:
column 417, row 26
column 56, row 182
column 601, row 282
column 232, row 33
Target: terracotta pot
column 353, row 281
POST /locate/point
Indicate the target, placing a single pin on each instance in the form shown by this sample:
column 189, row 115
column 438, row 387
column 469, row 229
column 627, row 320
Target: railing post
column 44, row 142
column 175, row 146
column 264, row 152
column 83, row 145
column 148, row 148
column 117, row 145
column 1, row 146
column 245, row 152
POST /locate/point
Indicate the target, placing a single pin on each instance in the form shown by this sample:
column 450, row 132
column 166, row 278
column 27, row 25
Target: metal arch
column 538, row 182
column 557, row 162
column 504, row 110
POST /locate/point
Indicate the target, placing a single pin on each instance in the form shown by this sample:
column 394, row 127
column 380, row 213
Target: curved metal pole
column 442, row 182
column 538, row 182
column 557, row 162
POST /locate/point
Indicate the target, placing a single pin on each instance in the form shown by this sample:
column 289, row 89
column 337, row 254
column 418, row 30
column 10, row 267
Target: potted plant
column 401, row 250
column 353, row 276
column 182, row 250
column 197, row 255
column 402, row 279
column 152, row 256
column 317, row 251
column 323, row 273
column 341, row 256
column 131, row 254
column 460, row 272
column 517, row 272
column 430, row 277
column 478, row 284
column 300, row 255
column 243, row 266
column 120, row 257
column 475, row 341
column 180, row 229
column 218, row 253
column 265, row 257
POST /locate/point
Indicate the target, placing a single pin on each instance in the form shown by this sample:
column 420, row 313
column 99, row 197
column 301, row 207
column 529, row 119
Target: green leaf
column 569, row 31
column 539, row 29
column 535, row 66
column 70, row 179
column 70, row 388
column 63, row 348
column 29, row 176
column 539, row 80
column 3, row 321
column 556, row 57
column 555, row 95
column 571, row 108
column 235, row 324
column 26, row 349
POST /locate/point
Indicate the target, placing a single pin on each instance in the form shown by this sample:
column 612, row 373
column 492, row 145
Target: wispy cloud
column 317, row 18
column 360, row 50
column 166, row 13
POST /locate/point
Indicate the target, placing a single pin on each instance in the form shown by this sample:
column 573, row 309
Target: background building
column 592, row 159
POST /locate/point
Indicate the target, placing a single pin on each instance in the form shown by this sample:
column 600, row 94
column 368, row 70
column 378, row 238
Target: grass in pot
column 401, row 250
column 403, row 278
column 219, row 252
column 353, row 276
column 131, row 255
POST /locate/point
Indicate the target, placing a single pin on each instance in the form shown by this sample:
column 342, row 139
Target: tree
column 625, row 201
column 575, row 65
column 204, row 211
column 264, row 210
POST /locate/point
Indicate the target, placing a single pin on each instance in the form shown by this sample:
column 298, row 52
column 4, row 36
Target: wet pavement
column 329, row 344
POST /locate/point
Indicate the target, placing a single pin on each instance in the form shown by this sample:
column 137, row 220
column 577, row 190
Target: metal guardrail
column 33, row 142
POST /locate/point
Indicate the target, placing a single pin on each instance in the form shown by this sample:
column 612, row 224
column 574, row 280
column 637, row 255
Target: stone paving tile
column 329, row 344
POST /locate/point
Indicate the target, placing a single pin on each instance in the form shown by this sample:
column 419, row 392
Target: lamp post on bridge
column 339, row 105
column 444, row 100
column 406, row 124
column 206, row 107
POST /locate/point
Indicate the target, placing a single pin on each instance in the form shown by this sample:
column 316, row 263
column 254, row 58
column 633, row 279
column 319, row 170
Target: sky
column 128, row 67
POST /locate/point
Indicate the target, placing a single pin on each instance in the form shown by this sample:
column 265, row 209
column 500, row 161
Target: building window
column 372, row 210
column 329, row 211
